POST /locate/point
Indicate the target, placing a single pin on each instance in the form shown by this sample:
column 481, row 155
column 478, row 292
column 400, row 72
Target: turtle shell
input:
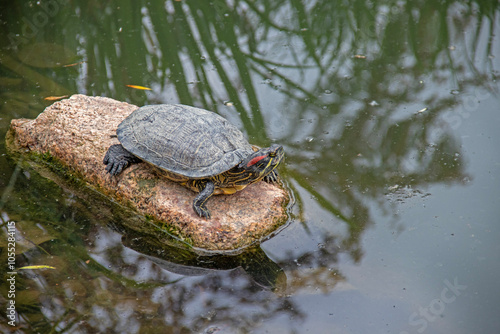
column 184, row 140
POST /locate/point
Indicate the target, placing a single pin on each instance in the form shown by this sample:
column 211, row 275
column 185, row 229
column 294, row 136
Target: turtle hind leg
column 117, row 158
column 199, row 201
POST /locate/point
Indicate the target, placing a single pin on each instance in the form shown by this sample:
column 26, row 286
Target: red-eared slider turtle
column 196, row 147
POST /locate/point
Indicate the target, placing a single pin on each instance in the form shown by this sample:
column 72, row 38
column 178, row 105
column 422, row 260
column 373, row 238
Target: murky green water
column 389, row 112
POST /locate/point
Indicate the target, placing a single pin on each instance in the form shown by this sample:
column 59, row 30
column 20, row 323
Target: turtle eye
column 272, row 154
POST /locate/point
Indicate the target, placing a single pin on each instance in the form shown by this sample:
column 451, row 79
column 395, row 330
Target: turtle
column 197, row 148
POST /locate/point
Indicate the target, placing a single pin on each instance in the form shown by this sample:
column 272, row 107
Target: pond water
column 389, row 113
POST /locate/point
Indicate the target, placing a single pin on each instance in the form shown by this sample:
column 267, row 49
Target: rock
column 78, row 131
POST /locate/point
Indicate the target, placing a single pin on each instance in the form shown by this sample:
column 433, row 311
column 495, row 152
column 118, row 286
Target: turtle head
column 263, row 161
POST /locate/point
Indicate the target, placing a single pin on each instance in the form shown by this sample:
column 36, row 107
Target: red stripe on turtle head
column 255, row 160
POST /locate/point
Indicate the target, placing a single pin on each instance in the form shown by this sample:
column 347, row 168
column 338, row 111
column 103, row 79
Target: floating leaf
column 42, row 266
column 138, row 87
column 359, row 57
column 74, row 64
column 54, row 98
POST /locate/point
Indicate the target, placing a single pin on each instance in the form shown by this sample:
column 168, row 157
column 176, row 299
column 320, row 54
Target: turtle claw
column 272, row 177
column 202, row 211
column 115, row 168
column 199, row 201
column 117, row 159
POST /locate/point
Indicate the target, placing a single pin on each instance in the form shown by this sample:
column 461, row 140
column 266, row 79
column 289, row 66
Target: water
column 388, row 112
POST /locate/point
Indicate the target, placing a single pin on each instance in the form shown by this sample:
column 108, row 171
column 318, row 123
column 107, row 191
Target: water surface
column 389, row 115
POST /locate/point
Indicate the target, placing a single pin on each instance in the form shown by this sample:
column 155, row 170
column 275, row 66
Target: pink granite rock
column 78, row 131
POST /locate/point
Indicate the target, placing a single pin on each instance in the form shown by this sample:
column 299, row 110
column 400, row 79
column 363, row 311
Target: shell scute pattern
column 185, row 140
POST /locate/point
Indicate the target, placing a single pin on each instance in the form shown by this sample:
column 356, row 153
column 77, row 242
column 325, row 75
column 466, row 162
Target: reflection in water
column 100, row 285
column 350, row 90
column 262, row 270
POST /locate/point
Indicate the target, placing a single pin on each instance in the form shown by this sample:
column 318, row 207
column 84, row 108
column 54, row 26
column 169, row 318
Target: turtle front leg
column 199, row 201
column 117, row 158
